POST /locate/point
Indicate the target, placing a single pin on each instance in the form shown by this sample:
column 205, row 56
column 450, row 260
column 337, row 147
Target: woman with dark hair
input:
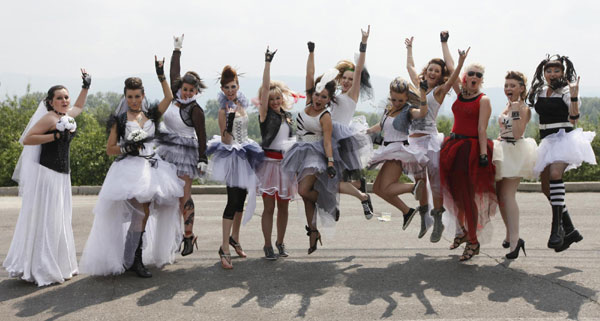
column 234, row 160
column 276, row 186
column 353, row 80
column 140, row 194
column 467, row 177
column 314, row 158
column 423, row 133
column 514, row 157
column 396, row 156
column 555, row 96
column 43, row 248
column 182, row 138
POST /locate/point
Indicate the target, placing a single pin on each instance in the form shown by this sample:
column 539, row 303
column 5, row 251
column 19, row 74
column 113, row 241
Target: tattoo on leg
column 189, row 207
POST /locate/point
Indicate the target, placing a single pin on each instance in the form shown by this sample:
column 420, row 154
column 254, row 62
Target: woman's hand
column 178, row 42
column 444, row 35
column 462, row 55
column 160, row 70
column 408, row 42
column 365, row 34
column 86, row 78
column 574, row 88
column 269, row 55
column 311, row 46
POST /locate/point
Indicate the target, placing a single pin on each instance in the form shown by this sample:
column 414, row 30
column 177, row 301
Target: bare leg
column 282, row 219
column 226, row 233
column 499, row 188
column 146, row 207
column 267, row 218
column 237, row 223
column 386, row 180
column 350, row 189
column 309, row 196
column 509, row 208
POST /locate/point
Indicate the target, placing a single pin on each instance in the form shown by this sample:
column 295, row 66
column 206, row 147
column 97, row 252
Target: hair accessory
column 328, row 76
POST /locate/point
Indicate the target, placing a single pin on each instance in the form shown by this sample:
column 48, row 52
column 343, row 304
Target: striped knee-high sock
column 557, row 193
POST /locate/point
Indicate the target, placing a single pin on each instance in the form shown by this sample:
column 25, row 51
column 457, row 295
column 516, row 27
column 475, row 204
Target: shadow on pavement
column 270, row 282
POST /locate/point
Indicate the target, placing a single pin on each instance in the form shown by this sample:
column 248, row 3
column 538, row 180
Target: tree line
column 89, row 162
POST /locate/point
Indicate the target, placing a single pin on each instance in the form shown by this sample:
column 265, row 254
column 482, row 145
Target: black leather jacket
column 270, row 127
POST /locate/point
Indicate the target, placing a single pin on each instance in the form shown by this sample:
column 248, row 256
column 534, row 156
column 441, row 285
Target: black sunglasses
column 475, row 73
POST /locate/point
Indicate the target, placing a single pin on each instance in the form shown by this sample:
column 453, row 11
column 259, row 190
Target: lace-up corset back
column 148, row 127
column 309, row 127
column 173, row 122
column 427, row 124
column 55, row 154
column 240, row 129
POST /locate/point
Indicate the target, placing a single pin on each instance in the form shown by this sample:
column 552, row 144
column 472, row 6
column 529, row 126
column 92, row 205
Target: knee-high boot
column 138, row 266
column 571, row 234
column 557, row 233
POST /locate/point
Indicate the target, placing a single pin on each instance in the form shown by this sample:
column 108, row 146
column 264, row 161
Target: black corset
column 552, row 110
column 55, row 154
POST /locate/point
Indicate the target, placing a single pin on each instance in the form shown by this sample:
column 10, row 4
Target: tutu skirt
column 515, row 159
column 180, row 151
column 273, row 181
column 572, row 148
column 43, row 248
column 468, row 189
column 235, row 165
column 430, row 145
column 117, row 227
column 354, row 146
column 413, row 160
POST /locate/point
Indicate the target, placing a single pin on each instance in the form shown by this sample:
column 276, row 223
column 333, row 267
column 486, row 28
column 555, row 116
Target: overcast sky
column 116, row 39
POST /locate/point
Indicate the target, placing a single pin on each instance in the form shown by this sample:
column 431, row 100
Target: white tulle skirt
column 515, row 159
column 117, row 226
column 273, row 181
column 572, row 148
column 43, row 249
column 413, row 160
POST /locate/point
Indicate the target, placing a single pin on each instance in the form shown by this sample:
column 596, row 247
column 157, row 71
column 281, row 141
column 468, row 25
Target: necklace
column 135, row 111
column 58, row 112
column 469, row 94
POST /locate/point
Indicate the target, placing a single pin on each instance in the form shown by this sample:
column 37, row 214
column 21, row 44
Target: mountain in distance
column 16, row 84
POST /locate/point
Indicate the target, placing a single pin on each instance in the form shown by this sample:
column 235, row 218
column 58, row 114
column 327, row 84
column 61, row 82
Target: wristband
column 161, row 78
column 515, row 115
column 362, row 47
column 574, row 117
column 574, row 99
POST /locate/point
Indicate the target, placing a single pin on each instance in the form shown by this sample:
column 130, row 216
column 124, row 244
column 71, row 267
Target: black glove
column 229, row 124
column 160, row 69
column 331, row 171
column 87, row 80
column 483, row 160
column 311, row 46
column 269, row 55
column 558, row 83
column 444, row 35
column 423, row 84
column 131, row 148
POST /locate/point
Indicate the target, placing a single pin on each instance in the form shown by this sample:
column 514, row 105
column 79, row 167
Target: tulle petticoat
column 43, row 249
column 413, row 160
column 272, row 180
column 354, row 145
column 468, row 188
column 235, row 165
column 572, row 148
column 513, row 160
column 430, row 145
column 181, row 152
column 119, row 212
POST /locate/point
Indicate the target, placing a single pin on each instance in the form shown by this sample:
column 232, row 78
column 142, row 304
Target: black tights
column 235, row 201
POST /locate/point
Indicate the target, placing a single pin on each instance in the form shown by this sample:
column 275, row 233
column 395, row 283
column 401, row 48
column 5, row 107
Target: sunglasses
column 475, row 73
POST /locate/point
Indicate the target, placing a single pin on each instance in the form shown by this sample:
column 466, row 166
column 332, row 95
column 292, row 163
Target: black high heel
column 515, row 254
column 505, row 244
column 188, row 244
column 313, row 247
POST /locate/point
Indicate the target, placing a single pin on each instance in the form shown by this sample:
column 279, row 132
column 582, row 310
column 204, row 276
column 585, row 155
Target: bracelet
column 574, row 117
column 574, row 99
column 330, row 159
column 515, row 115
column 161, row 78
column 363, row 47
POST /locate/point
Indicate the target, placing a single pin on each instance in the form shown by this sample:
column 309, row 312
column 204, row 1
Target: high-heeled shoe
column 237, row 247
column 505, row 244
column 458, row 240
column 313, row 247
column 515, row 254
column 225, row 260
column 470, row 251
column 188, row 244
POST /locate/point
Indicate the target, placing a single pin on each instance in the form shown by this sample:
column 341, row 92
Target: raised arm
column 520, row 114
column 574, row 107
column 354, row 91
column 452, row 81
column 421, row 112
column 80, row 102
column 175, row 68
column 444, row 35
column 264, row 89
column 410, row 62
column 310, row 70
column 168, row 94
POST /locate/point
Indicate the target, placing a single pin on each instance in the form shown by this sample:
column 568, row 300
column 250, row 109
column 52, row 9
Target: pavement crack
column 540, row 277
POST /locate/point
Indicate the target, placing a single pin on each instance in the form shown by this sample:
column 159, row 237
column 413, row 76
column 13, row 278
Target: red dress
column 469, row 190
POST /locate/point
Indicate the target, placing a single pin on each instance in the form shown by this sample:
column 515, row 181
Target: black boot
column 571, row 234
column 557, row 233
column 138, row 266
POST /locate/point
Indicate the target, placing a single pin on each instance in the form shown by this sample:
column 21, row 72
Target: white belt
column 555, row 125
column 310, row 138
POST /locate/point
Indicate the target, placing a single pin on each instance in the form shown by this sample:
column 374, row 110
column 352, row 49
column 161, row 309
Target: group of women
column 145, row 212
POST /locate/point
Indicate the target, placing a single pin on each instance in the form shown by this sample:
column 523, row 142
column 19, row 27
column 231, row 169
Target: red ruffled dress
column 469, row 190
